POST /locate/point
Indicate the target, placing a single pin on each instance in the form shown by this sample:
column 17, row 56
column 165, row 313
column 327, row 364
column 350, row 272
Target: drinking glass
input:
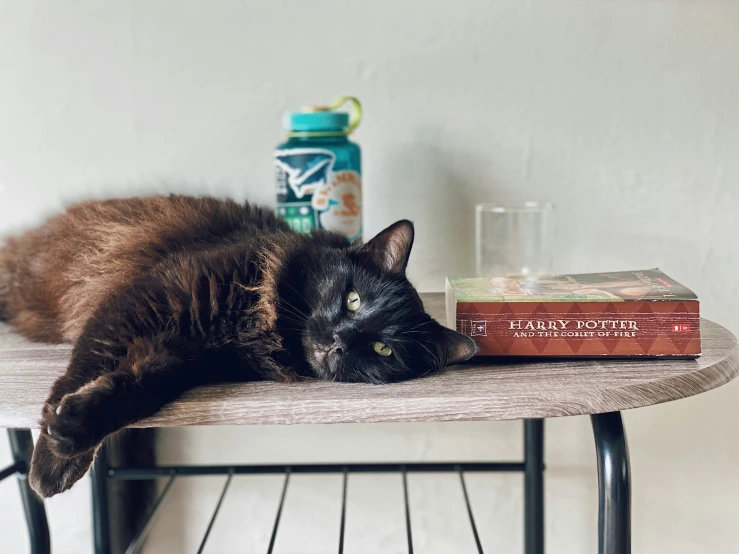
column 514, row 241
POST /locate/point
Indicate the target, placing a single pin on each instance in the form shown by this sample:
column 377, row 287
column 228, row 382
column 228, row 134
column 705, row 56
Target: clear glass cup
column 514, row 241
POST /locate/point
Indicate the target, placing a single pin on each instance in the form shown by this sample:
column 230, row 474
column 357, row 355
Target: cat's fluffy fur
column 162, row 294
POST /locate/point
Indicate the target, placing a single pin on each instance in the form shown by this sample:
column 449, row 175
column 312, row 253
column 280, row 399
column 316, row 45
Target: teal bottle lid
column 324, row 120
column 307, row 122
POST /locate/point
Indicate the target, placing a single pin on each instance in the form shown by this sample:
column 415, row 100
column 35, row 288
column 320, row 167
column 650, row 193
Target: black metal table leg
column 100, row 505
column 614, row 487
column 534, row 486
column 21, row 447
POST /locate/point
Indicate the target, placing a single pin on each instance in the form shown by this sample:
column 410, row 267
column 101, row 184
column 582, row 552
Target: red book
column 621, row 314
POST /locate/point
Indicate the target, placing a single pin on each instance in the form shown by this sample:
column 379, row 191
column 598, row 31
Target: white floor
column 310, row 523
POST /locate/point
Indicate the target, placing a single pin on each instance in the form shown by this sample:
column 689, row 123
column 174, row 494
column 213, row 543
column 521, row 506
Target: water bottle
column 318, row 170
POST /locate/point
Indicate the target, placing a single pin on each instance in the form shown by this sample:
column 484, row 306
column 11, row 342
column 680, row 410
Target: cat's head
column 361, row 320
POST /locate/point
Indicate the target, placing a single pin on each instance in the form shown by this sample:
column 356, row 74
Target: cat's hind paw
column 51, row 474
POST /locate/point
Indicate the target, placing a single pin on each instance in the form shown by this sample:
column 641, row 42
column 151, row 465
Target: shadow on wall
column 444, row 215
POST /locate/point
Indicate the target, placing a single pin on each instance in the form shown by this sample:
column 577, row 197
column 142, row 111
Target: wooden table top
column 474, row 391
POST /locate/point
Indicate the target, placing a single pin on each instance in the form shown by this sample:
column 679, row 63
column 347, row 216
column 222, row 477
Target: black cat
column 162, row 294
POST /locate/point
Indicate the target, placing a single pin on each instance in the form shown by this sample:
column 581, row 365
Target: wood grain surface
column 481, row 390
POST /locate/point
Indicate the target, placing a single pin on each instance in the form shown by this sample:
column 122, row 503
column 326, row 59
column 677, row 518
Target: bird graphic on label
column 307, row 169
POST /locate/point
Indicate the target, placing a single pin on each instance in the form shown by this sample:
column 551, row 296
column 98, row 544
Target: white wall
column 623, row 113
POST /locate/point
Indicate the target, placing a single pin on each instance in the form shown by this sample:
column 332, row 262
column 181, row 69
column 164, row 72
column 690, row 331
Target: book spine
column 587, row 329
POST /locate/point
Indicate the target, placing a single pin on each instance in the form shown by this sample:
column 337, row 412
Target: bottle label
column 311, row 195
column 339, row 204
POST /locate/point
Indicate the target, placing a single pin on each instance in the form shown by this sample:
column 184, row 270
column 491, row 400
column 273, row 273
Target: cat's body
column 162, row 294
column 53, row 278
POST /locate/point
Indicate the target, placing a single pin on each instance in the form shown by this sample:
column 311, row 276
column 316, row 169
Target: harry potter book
column 622, row 314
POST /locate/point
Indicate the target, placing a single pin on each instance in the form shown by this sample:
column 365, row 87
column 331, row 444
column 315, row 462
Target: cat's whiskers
column 295, row 330
column 300, row 324
column 288, row 316
column 297, row 292
column 416, row 327
column 291, row 314
column 287, row 307
column 283, row 310
column 284, row 306
column 434, row 356
column 295, row 310
column 429, row 370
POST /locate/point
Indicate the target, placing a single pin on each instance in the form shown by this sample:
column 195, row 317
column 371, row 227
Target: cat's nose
column 338, row 345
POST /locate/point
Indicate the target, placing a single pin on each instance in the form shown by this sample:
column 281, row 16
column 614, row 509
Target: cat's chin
column 318, row 357
column 320, row 367
column 325, row 369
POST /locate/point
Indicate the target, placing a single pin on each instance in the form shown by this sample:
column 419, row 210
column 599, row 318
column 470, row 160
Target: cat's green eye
column 382, row 349
column 352, row 301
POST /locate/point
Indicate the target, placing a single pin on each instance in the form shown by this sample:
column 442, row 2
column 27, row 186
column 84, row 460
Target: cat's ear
column 454, row 347
column 391, row 248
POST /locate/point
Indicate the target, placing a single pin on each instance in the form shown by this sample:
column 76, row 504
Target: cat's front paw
column 51, row 474
column 70, row 426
